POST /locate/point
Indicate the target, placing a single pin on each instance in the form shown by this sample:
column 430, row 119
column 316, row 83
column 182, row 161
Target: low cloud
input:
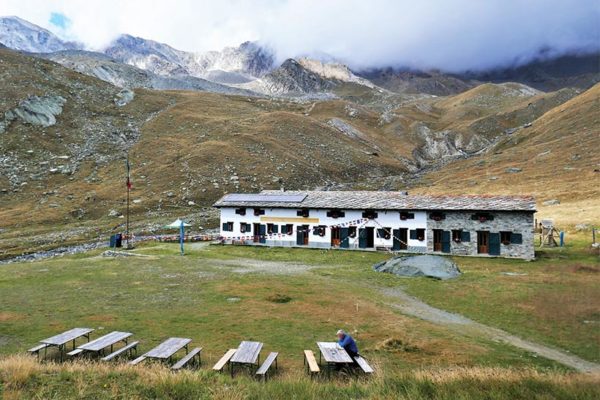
column 452, row 35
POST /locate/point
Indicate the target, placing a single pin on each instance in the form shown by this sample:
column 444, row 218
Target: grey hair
column 341, row 332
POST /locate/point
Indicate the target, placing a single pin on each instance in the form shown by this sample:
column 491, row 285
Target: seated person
column 347, row 343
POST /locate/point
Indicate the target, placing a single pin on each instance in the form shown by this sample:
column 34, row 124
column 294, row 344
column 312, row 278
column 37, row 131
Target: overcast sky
column 450, row 35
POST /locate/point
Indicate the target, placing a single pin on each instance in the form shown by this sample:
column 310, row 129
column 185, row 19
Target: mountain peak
column 18, row 34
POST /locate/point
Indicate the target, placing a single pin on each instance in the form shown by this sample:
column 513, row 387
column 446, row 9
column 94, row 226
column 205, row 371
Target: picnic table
column 166, row 349
column 62, row 339
column 333, row 354
column 247, row 354
column 109, row 340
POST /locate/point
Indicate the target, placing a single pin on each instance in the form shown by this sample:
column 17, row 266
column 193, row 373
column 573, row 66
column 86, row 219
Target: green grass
column 220, row 295
column 557, row 302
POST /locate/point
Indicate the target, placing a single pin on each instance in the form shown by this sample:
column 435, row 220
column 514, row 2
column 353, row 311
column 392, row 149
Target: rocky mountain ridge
column 251, row 66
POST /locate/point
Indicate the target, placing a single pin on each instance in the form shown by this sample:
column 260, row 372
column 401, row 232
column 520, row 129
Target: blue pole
column 181, row 235
column 562, row 238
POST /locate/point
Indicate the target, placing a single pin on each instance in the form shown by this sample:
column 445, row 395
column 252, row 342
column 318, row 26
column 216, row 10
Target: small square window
column 335, row 214
column 369, row 214
column 457, row 235
column 304, row 213
column 418, row 234
column 289, row 229
column 406, row 215
column 505, row 237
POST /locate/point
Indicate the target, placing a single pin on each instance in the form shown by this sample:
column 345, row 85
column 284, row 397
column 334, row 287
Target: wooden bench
column 224, row 360
column 311, row 362
column 266, row 365
column 36, row 350
column 75, row 352
column 189, row 356
column 125, row 349
column 137, row 360
column 364, row 365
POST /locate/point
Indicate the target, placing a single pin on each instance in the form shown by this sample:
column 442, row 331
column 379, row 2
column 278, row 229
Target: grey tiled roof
column 361, row 200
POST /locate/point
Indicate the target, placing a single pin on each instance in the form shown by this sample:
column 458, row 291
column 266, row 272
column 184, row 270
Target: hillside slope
column 65, row 137
column 555, row 159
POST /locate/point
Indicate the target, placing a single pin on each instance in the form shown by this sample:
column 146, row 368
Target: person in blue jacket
column 347, row 343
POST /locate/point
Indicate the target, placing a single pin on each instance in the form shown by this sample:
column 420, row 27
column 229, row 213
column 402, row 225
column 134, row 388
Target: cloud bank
column 452, row 35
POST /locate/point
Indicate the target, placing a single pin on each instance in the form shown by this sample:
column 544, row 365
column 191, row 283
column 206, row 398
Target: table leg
column 45, row 352
column 73, row 344
column 61, row 350
column 231, row 365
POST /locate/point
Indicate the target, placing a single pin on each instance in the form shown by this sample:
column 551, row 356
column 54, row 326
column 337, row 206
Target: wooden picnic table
column 108, row 340
column 333, row 353
column 62, row 339
column 248, row 353
column 166, row 349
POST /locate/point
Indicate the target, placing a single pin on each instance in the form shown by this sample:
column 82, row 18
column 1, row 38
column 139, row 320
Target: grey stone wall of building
column 516, row 222
column 416, row 249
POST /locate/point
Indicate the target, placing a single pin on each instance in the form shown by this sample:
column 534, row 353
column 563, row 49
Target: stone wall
column 516, row 222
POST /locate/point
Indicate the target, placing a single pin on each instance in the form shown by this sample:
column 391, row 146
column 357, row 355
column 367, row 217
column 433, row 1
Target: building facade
column 500, row 226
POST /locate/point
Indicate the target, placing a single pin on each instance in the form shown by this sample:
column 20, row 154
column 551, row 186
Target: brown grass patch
column 6, row 316
column 105, row 318
column 584, row 269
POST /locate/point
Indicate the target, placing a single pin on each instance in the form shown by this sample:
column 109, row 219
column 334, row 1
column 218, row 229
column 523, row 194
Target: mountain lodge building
column 500, row 226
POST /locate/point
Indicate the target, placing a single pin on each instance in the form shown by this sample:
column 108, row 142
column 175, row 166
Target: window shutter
column 224, row 226
column 275, row 229
column 516, row 238
column 413, row 234
column 465, row 236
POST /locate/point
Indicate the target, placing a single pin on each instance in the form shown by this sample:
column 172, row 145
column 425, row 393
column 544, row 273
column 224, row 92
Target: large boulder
column 422, row 265
column 36, row 110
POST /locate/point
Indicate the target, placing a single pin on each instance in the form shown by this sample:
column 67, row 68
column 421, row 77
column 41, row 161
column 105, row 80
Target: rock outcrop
column 36, row 110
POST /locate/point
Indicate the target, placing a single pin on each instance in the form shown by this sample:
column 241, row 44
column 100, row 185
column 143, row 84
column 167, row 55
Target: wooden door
column 335, row 237
column 256, row 230
column 437, row 239
column 483, row 242
column 403, row 238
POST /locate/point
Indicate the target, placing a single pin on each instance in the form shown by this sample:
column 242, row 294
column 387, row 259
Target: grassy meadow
column 289, row 299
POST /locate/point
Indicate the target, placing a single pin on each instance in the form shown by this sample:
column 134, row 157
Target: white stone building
column 463, row 225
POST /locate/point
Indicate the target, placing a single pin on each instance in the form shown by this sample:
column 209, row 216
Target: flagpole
column 127, row 214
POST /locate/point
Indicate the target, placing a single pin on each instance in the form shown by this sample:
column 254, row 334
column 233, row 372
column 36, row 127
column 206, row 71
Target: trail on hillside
column 414, row 307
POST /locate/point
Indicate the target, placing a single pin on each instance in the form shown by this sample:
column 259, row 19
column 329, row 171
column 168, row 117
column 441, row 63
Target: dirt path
column 412, row 306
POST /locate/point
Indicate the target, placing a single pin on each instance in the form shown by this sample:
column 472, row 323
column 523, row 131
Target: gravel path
column 412, row 306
